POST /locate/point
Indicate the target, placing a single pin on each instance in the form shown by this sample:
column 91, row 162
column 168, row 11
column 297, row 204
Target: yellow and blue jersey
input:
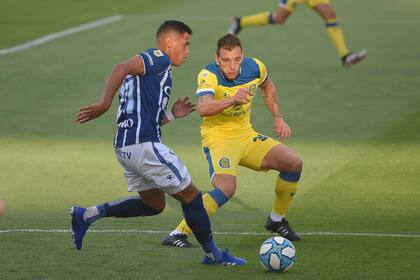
column 235, row 119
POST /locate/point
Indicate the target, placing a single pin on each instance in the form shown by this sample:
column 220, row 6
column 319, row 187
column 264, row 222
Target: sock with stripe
column 212, row 201
column 336, row 35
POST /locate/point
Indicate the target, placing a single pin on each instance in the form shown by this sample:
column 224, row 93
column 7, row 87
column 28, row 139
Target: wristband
column 169, row 116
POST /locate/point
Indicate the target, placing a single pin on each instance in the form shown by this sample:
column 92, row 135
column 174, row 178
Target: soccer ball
column 277, row 254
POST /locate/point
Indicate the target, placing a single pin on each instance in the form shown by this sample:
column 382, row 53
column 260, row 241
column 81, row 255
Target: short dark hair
column 228, row 42
column 173, row 25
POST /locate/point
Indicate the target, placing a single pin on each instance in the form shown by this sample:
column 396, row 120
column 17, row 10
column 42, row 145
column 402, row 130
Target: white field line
column 355, row 234
column 53, row 36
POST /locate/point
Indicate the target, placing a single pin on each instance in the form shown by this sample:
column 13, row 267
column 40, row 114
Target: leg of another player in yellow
column 337, row 37
column 211, row 201
column 261, row 19
column 286, row 161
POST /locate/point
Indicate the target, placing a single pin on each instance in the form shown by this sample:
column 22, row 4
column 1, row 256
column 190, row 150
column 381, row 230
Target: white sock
column 90, row 212
column 276, row 217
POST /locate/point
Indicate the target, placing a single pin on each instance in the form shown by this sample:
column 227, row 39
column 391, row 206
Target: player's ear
column 216, row 59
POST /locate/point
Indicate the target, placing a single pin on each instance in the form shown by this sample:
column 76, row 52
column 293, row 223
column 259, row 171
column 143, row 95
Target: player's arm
column 209, row 106
column 181, row 108
column 269, row 92
column 134, row 66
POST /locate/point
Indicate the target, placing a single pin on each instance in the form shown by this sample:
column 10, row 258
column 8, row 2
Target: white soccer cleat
column 353, row 58
column 234, row 25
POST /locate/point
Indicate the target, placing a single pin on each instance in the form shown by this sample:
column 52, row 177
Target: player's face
column 180, row 48
column 230, row 62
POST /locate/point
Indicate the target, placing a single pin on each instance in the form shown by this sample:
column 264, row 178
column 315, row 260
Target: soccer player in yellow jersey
column 225, row 92
column 282, row 12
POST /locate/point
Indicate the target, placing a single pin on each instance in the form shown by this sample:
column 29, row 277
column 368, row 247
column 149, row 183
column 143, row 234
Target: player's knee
column 158, row 208
column 297, row 165
column 228, row 191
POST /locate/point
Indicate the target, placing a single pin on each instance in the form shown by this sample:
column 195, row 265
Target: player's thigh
column 324, row 9
column 289, row 5
column 166, row 171
column 223, row 157
column 153, row 166
column 258, row 147
column 282, row 158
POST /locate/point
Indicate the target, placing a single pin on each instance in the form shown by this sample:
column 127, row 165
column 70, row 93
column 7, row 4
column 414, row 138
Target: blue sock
column 197, row 219
column 218, row 196
column 126, row 207
column 132, row 206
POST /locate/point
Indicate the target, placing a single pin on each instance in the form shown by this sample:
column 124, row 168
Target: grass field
column 357, row 131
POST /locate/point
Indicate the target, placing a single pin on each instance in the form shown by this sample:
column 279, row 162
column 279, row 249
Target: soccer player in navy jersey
column 150, row 167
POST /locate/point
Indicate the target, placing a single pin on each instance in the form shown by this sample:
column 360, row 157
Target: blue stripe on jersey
column 168, row 164
column 208, row 157
column 143, row 100
column 249, row 71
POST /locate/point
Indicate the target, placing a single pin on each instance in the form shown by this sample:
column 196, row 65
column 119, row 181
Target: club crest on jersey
column 224, row 162
column 158, row 53
column 253, row 89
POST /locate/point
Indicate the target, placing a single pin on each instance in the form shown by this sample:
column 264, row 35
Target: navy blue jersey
column 143, row 100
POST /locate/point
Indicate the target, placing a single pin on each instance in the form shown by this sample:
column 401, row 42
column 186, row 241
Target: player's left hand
column 90, row 112
column 183, row 107
column 281, row 128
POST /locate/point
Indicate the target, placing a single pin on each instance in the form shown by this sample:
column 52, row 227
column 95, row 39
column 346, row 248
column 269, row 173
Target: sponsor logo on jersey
column 260, row 138
column 122, row 154
column 125, row 123
column 224, row 162
column 158, row 53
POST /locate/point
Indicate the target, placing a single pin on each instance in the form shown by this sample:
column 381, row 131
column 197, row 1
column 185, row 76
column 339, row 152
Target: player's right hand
column 241, row 96
column 90, row 112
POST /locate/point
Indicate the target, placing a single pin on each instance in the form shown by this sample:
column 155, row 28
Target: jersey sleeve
column 207, row 83
column 263, row 72
column 155, row 61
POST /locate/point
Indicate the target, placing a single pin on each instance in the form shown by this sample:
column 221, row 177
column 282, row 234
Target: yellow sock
column 256, row 20
column 337, row 37
column 284, row 193
column 211, row 207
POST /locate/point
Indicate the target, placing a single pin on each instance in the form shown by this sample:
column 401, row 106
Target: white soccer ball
column 277, row 254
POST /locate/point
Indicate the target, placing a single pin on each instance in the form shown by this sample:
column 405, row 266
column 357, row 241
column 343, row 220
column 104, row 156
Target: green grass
column 356, row 130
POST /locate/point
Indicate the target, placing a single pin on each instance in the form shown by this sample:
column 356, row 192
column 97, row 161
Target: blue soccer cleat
column 226, row 260
column 78, row 225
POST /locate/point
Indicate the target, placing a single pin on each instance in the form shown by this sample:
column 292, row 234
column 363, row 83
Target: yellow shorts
column 224, row 154
column 291, row 4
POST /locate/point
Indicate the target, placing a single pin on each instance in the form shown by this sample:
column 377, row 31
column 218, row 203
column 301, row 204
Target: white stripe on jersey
column 204, row 90
column 129, row 91
column 138, row 110
column 125, row 137
column 162, row 82
column 119, row 112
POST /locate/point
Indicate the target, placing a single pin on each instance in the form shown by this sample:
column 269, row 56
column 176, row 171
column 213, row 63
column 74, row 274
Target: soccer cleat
column 226, row 260
column 177, row 240
column 234, row 25
column 78, row 225
column 353, row 58
column 283, row 228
